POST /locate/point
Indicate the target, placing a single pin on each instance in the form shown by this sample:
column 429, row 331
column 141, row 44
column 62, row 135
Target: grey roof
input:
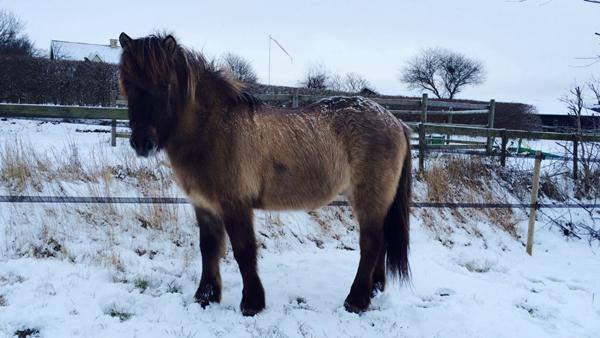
column 67, row 50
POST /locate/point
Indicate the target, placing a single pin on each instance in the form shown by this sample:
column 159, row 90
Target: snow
column 111, row 277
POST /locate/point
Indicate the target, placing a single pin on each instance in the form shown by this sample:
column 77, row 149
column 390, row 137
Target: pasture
column 396, row 169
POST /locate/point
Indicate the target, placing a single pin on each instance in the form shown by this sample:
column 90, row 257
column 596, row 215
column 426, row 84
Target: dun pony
column 231, row 154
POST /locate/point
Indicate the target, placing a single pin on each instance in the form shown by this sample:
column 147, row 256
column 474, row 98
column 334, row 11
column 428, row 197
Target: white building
column 80, row 51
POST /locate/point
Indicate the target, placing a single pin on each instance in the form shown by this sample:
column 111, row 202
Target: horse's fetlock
column 208, row 293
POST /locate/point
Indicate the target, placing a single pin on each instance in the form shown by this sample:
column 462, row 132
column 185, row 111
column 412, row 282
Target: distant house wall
column 80, row 51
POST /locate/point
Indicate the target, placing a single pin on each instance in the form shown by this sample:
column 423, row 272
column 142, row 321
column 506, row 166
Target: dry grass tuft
column 69, row 165
column 460, row 179
column 437, row 184
column 472, row 171
column 21, row 167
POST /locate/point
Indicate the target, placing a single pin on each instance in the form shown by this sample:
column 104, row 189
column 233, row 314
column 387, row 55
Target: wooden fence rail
column 504, row 134
column 67, row 112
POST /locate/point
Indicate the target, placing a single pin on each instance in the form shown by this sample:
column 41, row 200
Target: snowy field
column 131, row 270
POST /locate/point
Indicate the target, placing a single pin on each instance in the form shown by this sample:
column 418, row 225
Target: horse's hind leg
column 371, row 243
column 238, row 222
column 212, row 234
column 372, row 194
column 379, row 274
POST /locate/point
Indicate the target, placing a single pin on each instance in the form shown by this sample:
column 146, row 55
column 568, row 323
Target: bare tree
column 57, row 53
column 12, row 39
column 240, row 68
column 336, row 83
column 355, row 82
column 316, row 77
column 588, row 183
column 351, row 82
column 575, row 104
column 594, row 86
column 442, row 72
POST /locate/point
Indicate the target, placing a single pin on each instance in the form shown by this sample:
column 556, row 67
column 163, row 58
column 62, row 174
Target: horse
column 231, row 153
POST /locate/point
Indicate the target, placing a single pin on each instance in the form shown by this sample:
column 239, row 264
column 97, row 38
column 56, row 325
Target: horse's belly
column 303, row 190
column 295, row 201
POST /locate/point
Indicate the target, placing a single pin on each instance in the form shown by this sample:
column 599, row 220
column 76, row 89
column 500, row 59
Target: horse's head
column 150, row 79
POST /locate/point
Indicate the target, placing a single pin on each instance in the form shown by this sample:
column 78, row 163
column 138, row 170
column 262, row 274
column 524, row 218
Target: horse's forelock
column 149, row 60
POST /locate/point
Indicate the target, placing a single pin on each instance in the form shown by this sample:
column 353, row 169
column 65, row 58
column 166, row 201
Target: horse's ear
column 170, row 44
column 125, row 40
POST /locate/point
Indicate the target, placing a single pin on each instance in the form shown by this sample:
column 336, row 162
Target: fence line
column 504, row 134
column 416, row 107
column 336, row 203
column 463, row 151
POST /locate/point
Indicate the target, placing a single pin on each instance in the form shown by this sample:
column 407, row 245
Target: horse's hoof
column 252, row 305
column 249, row 311
column 357, row 304
column 207, row 294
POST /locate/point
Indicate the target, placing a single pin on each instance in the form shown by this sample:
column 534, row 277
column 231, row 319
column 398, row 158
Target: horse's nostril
column 148, row 145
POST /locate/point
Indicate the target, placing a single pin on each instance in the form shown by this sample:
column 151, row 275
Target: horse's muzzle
column 144, row 149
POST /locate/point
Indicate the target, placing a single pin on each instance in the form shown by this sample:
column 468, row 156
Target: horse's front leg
column 238, row 222
column 212, row 234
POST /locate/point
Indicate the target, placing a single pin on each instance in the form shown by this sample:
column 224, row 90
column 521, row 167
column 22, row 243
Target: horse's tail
column 397, row 221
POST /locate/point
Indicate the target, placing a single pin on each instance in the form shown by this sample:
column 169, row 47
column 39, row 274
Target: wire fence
column 337, row 203
column 509, row 155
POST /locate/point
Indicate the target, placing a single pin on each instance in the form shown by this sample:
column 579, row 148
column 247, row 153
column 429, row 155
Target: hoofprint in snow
column 131, row 270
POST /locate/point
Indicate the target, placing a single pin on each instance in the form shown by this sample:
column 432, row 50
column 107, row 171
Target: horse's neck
column 196, row 136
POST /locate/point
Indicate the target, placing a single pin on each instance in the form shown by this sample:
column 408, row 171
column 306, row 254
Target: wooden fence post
column 295, row 100
column 424, row 108
column 575, row 159
column 491, row 113
column 534, row 198
column 422, row 134
column 113, row 133
column 450, row 116
column 504, row 145
column 421, row 127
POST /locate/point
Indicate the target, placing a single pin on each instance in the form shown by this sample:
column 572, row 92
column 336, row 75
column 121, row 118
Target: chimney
column 113, row 43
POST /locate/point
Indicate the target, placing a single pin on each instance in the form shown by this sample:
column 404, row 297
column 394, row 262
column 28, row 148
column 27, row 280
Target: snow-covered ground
column 131, row 271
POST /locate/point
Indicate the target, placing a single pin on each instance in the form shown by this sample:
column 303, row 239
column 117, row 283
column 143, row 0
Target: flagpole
column 282, row 49
column 269, row 59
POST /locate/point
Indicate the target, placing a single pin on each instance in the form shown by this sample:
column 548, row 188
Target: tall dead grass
column 466, row 179
column 21, row 167
column 101, row 170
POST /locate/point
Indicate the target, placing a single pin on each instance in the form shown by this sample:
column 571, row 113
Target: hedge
column 46, row 81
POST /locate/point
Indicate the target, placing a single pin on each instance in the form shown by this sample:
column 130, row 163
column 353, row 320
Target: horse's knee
column 212, row 233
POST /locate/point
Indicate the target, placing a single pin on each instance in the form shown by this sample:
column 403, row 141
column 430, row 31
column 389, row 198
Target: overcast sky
column 530, row 49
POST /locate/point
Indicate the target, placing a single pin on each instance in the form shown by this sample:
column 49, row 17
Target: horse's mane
column 202, row 81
